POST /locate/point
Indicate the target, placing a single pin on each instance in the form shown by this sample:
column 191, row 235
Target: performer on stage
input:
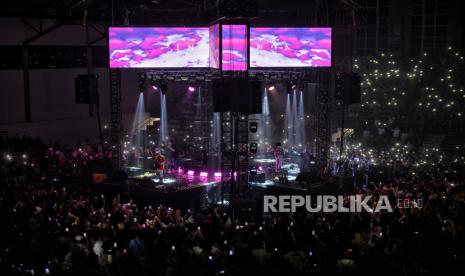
column 171, row 154
column 278, row 155
column 159, row 164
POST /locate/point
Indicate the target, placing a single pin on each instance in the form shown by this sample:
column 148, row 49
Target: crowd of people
column 25, row 155
column 65, row 228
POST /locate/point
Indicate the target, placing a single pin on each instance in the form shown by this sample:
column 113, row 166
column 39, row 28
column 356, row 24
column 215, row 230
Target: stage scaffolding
column 116, row 124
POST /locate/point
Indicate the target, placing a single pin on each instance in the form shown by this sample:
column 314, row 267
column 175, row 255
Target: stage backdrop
column 290, row 47
column 234, row 47
column 215, row 46
column 198, row 47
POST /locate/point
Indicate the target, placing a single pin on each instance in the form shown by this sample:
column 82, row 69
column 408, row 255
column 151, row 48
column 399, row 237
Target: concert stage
column 261, row 172
column 201, row 187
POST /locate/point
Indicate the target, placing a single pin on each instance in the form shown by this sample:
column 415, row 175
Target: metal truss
column 234, row 152
column 211, row 74
column 322, row 119
column 116, row 124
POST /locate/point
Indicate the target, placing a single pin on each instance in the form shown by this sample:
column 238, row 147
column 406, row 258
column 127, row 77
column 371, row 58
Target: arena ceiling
column 140, row 12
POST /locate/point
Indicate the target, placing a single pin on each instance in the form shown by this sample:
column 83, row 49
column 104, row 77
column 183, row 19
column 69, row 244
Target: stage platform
column 173, row 183
column 195, row 192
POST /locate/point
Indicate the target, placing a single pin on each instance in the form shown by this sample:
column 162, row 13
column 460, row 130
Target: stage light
column 271, row 87
column 253, row 127
column 217, row 174
column 253, row 170
column 190, row 173
column 155, row 87
column 260, row 168
column 191, row 89
column 253, row 148
column 203, row 174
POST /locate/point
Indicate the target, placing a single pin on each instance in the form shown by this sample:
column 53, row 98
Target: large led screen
column 215, row 46
column 159, row 47
column 290, row 47
column 234, row 47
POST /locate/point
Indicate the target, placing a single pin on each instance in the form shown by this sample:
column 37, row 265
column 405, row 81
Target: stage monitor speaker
column 347, row 88
column 339, row 87
column 86, row 88
column 237, row 95
column 353, row 87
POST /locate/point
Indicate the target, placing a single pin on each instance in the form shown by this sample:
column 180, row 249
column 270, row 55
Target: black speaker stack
column 85, row 88
column 347, row 88
column 237, row 95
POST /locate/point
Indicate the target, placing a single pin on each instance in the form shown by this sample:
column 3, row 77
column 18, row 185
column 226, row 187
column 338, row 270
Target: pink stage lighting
column 191, row 89
column 217, row 174
column 190, row 173
column 180, row 170
column 260, row 168
column 203, row 174
column 155, row 87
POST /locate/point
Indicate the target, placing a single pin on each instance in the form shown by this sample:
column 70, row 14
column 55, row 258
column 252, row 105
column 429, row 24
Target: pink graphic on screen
column 234, row 51
column 215, row 46
column 290, row 47
column 159, row 47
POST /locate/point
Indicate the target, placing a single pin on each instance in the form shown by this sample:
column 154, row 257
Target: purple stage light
column 191, row 89
column 155, row 87
column 203, row 174
column 217, row 174
column 260, row 168
column 180, row 170
column 190, row 173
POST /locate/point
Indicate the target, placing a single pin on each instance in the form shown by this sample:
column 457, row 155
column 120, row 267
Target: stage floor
column 178, row 182
column 197, row 192
column 173, row 183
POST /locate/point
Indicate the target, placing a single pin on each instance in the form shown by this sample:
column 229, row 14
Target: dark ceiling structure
column 149, row 12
